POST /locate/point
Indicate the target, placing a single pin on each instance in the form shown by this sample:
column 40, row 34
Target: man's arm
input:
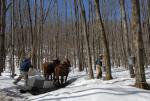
column 30, row 65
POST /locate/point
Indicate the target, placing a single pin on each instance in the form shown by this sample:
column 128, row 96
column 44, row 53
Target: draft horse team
column 57, row 71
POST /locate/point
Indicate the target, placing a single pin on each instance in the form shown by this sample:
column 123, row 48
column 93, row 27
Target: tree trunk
column 22, row 33
column 2, row 34
column 91, row 75
column 105, row 44
column 34, row 49
column 30, row 20
column 77, row 36
column 125, row 32
column 12, row 44
column 138, row 45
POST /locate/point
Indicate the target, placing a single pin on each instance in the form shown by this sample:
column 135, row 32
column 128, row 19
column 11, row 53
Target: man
column 24, row 68
column 98, row 66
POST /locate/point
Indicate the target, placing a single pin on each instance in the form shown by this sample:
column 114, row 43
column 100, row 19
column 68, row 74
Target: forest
column 80, row 30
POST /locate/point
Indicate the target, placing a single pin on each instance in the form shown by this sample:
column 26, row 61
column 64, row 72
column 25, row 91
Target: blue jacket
column 98, row 62
column 25, row 65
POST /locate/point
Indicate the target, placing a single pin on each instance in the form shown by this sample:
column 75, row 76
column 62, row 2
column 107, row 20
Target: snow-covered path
column 82, row 89
column 94, row 90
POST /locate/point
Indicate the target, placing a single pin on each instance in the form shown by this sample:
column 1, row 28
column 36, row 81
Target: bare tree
column 105, row 44
column 125, row 32
column 2, row 34
column 138, row 45
column 91, row 76
column 77, row 36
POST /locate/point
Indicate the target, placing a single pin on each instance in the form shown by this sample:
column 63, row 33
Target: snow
column 83, row 89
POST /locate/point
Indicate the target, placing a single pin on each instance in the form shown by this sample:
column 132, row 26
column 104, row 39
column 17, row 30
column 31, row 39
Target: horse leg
column 66, row 78
column 51, row 76
column 54, row 76
column 48, row 76
column 57, row 80
column 62, row 79
column 45, row 76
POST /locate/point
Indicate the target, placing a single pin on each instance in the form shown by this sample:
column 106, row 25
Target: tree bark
column 2, row 34
column 105, row 44
column 125, row 32
column 138, row 45
column 91, row 75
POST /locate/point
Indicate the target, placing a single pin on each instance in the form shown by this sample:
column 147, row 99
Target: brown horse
column 49, row 68
column 62, row 70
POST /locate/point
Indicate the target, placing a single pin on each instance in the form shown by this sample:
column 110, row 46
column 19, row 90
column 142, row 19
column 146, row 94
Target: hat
column 66, row 57
column 100, row 55
column 29, row 55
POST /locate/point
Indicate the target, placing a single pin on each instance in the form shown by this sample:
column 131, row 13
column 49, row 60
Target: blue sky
column 70, row 6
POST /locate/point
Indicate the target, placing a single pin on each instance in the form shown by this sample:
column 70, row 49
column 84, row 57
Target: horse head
column 56, row 62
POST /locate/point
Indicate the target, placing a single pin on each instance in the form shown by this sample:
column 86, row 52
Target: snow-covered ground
column 82, row 89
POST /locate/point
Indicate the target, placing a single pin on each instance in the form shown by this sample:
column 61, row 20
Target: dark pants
column 99, row 71
column 22, row 74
